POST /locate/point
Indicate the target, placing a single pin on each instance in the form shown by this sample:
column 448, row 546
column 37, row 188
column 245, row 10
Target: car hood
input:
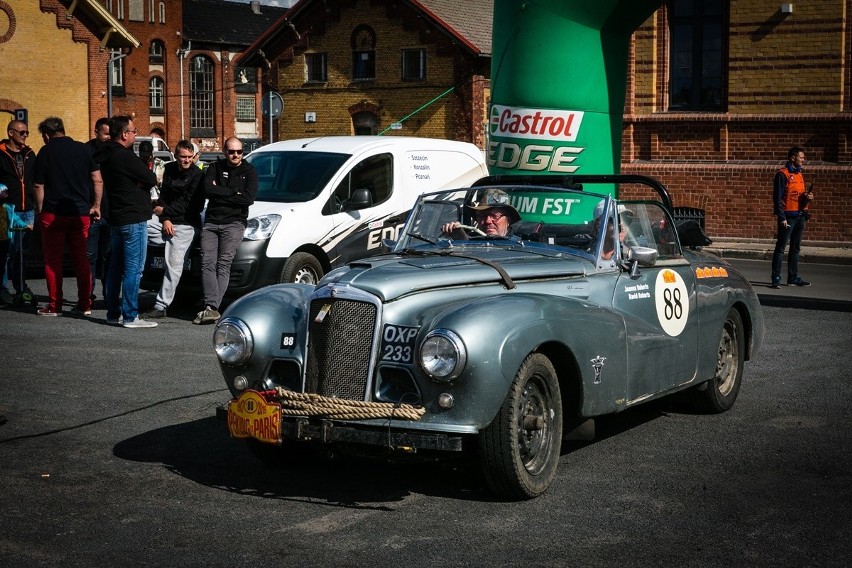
column 393, row 275
column 259, row 208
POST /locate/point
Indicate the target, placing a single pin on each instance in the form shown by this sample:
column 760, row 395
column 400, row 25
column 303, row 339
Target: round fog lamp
column 446, row 400
column 240, row 382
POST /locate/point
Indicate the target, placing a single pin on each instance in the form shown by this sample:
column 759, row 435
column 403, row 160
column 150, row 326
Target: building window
column 151, row 11
column 363, row 41
column 246, row 109
column 201, row 96
column 162, row 12
column 316, row 67
column 155, row 52
column 413, row 64
column 695, row 70
column 156, row 93
column 135, row 10
column 116, row 72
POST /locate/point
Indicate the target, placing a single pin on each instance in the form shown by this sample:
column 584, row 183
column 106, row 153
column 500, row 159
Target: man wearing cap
column 492, row 212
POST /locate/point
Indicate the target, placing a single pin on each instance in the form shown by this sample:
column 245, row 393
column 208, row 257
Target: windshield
column 561, row 219
column 289, row 177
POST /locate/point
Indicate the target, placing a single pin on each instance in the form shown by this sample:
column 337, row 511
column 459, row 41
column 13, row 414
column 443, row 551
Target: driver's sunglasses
column 494, row 215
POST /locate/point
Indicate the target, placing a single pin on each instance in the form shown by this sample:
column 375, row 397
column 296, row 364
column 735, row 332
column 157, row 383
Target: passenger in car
column 625, row 215
column 493, row 213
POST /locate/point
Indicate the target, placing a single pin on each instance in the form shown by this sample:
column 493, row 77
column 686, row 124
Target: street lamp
column 109, row 81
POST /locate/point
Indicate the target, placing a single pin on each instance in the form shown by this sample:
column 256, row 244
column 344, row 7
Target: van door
column 365, row 208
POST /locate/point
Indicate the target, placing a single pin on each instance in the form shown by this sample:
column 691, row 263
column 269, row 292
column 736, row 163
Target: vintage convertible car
column 503, row 344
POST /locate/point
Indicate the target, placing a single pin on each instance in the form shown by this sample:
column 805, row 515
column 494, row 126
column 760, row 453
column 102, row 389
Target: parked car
column 508, row 342
column 325, row 201
column 161, row 148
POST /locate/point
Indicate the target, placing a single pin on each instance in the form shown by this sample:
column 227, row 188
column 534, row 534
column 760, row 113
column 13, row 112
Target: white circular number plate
column 672, row 302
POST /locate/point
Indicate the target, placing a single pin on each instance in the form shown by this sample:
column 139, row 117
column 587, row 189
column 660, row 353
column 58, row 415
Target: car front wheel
column 519, row 450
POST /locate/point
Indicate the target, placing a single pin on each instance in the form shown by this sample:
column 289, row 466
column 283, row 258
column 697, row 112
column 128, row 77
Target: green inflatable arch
column 558, row 79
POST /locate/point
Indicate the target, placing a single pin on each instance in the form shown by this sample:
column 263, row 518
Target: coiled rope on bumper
column 311, row 404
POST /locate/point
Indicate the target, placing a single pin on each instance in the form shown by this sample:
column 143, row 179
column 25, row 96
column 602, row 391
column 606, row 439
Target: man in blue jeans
column 128, row 183
column 790, row 202
column 99, row 234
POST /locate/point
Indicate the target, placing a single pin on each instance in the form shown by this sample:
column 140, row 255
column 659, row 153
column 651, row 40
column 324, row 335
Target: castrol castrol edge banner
column 558, row 77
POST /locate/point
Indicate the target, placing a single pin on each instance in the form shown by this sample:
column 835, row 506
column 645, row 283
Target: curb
column 805, row 303
column 828, row 256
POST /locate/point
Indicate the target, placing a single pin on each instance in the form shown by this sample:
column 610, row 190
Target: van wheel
column 301, row 268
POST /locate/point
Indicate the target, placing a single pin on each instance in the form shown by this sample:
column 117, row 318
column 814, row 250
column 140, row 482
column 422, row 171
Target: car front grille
column 340, row 347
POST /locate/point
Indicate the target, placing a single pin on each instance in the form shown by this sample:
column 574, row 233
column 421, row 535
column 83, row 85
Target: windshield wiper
column 420, row 237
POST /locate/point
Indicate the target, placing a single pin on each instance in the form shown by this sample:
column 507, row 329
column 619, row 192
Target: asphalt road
column 112, row 456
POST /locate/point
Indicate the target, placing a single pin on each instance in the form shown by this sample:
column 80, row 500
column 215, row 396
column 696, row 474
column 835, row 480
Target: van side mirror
column 361, row 199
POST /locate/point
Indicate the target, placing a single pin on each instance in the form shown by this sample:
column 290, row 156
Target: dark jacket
column 95, row 145
column 182, row 195
column 127, row 183
column 230, row 192
column 20, row 189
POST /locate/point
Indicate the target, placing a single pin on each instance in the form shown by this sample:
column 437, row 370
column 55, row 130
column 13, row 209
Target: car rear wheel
column 519, row 450
column 719, row 393
column 301, row 268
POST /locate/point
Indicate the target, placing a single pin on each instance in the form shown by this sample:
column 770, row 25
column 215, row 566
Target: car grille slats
column 340, row 348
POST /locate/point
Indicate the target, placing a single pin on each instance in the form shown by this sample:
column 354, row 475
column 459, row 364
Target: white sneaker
column 139, row 322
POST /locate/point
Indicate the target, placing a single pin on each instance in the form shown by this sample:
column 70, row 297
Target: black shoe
column 798, row 282
column 776, row 284
column 154, row 313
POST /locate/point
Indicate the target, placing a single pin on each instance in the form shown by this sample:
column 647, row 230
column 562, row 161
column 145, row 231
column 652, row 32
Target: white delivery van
column 327, row 201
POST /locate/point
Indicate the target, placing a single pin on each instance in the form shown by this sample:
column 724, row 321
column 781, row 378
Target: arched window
column 156, row 51
column 363, row 41
column 156, row 90
column 201, row 96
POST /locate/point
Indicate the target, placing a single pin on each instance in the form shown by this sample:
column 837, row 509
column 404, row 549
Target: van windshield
column 289, row 177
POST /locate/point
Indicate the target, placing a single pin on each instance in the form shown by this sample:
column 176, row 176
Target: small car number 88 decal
column 398, row 343
column 672, row 302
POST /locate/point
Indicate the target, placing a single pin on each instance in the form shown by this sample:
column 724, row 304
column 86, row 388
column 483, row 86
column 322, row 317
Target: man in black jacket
column 179, row 217
column 230, row 185
column 128, row 184
column 17, row 163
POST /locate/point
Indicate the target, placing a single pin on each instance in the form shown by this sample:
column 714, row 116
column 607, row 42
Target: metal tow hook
column 533, row 423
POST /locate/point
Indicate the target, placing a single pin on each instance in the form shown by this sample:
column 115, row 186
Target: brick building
column 55, row 62
column 378, row 66
column 166, row 63
column 718, row 91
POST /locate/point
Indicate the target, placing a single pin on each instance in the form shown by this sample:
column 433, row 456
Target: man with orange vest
column 790, row 201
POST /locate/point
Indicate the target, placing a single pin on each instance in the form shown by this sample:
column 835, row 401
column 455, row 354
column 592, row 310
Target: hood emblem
column 597, row 365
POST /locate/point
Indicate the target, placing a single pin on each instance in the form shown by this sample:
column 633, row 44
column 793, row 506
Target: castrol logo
column 535, row 123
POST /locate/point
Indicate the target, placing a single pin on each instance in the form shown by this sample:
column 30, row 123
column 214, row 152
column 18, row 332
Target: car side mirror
column 361, row 199
column 639, row 256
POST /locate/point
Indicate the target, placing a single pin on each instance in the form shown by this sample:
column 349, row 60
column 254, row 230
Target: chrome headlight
column 232, row 341
column 443, row 355
column 261, row 227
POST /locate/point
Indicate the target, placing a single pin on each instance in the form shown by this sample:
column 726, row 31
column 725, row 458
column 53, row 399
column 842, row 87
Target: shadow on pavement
column 203, row 452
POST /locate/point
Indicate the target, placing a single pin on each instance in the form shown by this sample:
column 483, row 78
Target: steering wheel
column 472, row 229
